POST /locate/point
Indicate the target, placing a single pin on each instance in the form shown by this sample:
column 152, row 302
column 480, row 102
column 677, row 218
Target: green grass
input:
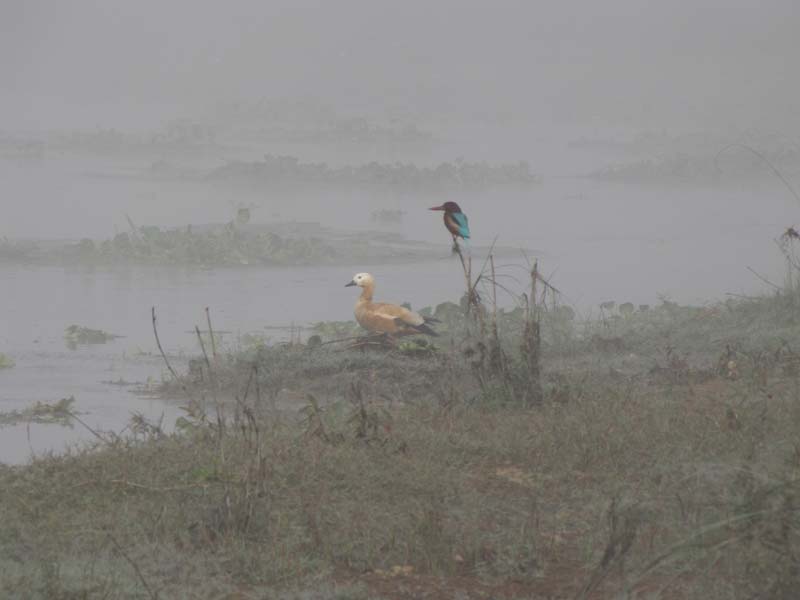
column 389, row 475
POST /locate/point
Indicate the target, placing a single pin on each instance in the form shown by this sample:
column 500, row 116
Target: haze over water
column 570, row 88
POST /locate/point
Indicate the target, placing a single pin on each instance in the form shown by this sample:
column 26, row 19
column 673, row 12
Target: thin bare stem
column 160, row 349
column 764, row 279
column 134, row 229
column 258, row 386
column 466, row 266
column 92, row 431
column 494, row 300
column 247, row 385
column 772, row 167
column 203, row 348
column 531, row 344
column 211, row 333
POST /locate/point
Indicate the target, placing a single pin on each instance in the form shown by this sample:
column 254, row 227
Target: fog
column 618, row 63
column 595, row 136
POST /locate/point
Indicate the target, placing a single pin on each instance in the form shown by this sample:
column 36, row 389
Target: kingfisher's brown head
column 448, row 207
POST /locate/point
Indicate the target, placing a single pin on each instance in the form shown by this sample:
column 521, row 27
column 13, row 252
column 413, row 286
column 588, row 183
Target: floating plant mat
column 289, row 170
column 279, row 244
column 59, row 413
column 76, row 335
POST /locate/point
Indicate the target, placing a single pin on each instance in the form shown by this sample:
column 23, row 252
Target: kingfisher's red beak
column 437, row 207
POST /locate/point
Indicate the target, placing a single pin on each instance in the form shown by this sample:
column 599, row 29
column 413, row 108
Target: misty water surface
column 688, row 243
column 494, row 82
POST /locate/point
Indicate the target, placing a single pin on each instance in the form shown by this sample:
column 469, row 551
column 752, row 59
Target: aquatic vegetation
column 76, row 335
column 253, row 341
column 152, row 245
column 336, row 329
column 288, row 169
column 697, row 143
column 57, row 413
column 678, row 167
column 386, row 216
column 417, row 347
column 223, row 245
column 272, row 244
column 180, row 136
column 220, row 246
column 339, row 131
column 701, row 168
column 19, row 251
column 6, row 362
column 12, row 147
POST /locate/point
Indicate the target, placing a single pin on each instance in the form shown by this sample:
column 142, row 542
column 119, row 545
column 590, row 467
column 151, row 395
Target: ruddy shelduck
column 380, row 317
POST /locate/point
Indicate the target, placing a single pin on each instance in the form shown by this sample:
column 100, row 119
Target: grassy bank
column 663, row 462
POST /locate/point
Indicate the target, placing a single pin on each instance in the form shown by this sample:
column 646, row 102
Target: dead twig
column 258, row 386
column 211, row 333
column 494, row 300
column 466, row 266
column 160, row 349
column 772, row 167
column 531, row 342
column 134, row 228
column 764, row 279
column 205, row 354
column 72, row 415
column 496, row 357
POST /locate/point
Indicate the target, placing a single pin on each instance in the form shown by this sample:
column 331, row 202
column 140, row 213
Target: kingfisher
column 455, row 221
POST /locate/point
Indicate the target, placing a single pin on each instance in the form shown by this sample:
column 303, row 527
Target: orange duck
column 389, row 319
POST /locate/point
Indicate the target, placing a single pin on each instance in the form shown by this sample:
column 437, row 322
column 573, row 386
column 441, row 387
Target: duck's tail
column 421, row 328
column 426, row 330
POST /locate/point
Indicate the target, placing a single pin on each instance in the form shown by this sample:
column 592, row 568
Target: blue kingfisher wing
column 463, row 224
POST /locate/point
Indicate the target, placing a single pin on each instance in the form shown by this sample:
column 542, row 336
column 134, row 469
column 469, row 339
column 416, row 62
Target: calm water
column 602, row 242
column 38, row 303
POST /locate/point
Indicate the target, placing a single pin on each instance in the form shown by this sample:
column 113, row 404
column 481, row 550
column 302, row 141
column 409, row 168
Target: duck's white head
column 361, row 280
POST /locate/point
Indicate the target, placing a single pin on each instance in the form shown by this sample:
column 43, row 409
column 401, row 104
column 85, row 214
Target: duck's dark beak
column 437, row 207
column 352, row 283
